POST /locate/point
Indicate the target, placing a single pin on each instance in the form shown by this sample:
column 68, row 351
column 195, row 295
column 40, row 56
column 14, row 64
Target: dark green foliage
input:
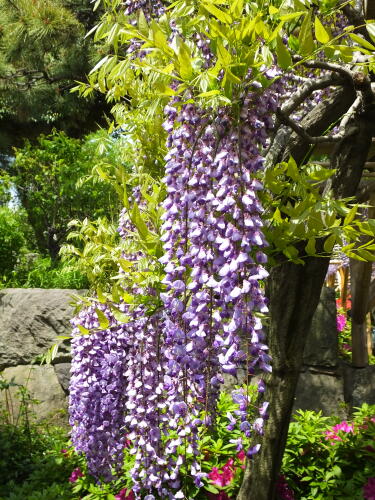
column 322, row 463
column 46, row 177
column 43, row 52
column 32, row 464
column 14, row 237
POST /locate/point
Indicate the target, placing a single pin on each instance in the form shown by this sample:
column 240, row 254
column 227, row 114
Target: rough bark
column 294, row 292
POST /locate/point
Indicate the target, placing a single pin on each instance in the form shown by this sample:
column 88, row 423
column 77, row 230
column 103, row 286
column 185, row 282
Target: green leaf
column 219, row 14
column 329, row 243
column 291, row 252
column 139, row 223
column 321, row 33
column 210, row 93
column 211, row 488
column 224, row 56
column 291, row 16
column 273, row 10
column 306, row 41
column 102, row 318
column 292, row 170
column 236, row 8
column 371, row 30
column 184, row 59
column 351, row 215
column 83, row 330
column 361, row 41
column 160, row 40
column 120, row 316
column 283, row 56
column 142, row 23
column 311, row 247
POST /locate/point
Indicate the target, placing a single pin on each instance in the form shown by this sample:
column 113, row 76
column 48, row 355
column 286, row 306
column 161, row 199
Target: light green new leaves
column 321, row 33
column 305, row 38
column 299, row 216
column 284, row 58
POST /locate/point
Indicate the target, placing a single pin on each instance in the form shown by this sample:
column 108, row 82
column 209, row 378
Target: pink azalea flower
column 340, row 322
column 342, row 426
column 124, row 495
column 76, row 473
column 369, row 489
column 224, row 476
column 241, row 456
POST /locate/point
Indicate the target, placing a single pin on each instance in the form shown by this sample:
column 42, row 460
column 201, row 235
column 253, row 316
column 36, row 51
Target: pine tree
column 43, row 53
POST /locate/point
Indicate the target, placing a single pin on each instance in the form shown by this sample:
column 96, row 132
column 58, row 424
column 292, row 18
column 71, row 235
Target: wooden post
column 360, row 284
column 369, row 334
column 344, row 287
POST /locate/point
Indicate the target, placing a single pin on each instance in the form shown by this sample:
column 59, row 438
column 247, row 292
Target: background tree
column 45, row 177
column 43, row 52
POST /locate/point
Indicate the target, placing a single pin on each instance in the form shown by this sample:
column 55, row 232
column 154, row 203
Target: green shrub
column 15, row 236
column 326, row 459
column 36, row 271
column 34, row 461
column 46, row 175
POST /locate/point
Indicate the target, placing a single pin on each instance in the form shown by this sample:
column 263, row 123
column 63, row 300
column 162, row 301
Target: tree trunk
column 293, row 291
column 360, row 285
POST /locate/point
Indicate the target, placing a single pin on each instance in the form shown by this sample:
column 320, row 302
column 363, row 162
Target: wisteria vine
column 155, row 379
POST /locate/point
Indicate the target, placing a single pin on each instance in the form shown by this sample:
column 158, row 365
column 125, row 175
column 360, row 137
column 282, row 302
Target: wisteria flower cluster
column 155, row 374
column 149, row 380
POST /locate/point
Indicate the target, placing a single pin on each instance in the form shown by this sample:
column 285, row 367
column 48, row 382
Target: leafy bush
column 326, row 459
column 36, row 271
column 34, row 463
column 15, row 236
column 46, row 176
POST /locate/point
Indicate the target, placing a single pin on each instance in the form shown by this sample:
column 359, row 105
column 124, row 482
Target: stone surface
column 363, row 386
column 322, row 341
column 43, row 386
column 30, row 322
column 320, row 391
column 62, row 371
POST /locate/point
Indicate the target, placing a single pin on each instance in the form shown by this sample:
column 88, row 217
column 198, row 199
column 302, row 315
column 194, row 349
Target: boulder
column 30, row 322
column 48, row 400
column 363, row 386
column 321, row 391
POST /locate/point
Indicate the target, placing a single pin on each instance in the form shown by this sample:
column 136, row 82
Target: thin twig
column 307, row 137
column 336, row 68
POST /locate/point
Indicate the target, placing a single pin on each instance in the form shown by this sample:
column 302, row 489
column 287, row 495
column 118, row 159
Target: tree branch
column 307, row 137
column 336, row 68
column 308, row 88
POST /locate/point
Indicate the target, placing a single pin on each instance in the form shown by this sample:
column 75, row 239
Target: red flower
column 224, row 476
column 369, row 489
column 124, row 495
column 76, row 473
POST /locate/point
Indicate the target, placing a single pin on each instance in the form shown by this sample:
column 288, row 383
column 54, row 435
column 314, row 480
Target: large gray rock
column 363, row 386
column 321, row 391
column 30, row 322
column 43, row 386
column 322, row 341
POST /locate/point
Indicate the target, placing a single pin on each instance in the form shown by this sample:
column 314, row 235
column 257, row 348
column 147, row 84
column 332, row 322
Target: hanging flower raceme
column 213, row 255
column 97, row 391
